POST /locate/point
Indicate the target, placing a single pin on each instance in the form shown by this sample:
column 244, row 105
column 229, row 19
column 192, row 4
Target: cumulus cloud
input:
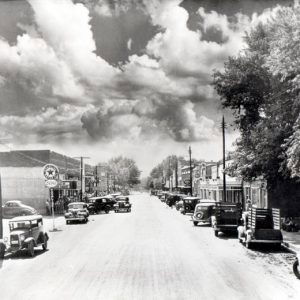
column 161, row 91
column 153, row 116
column 50, row 124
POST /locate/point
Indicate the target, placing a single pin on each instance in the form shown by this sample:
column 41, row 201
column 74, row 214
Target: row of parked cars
column 80, row 211
column 256, row 225
column 27, row 229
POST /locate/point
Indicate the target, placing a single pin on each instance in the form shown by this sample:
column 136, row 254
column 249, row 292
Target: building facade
column 22, row 177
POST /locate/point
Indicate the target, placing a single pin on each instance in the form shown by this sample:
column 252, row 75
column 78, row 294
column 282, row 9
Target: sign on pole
column 51, row 183
column 51, row 174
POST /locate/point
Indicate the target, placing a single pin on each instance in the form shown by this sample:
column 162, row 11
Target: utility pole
column 96, row 179
column 169, row 171
column 81, row 174
column 224, row 161
column 176, row 173
column 191, row 172
column 107, row 181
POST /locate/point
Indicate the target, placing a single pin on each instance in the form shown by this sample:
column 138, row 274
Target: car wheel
column 296, row 269
column 216, row 233
column 2, row 251
column 106, row 211
column 195, row 223
column 67, row 222
column 30, row 249
column 45, row 243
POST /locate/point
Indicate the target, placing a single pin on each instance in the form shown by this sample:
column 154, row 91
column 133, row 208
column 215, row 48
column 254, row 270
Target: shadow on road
column 23, row 255
column 228, row 236
column 268, row 248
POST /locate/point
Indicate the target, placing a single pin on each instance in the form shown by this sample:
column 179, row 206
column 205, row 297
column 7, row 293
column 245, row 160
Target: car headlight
column 22, row 238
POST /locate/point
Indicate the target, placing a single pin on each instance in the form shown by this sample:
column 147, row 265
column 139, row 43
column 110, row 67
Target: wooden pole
column 224, row 161
column 191, row 172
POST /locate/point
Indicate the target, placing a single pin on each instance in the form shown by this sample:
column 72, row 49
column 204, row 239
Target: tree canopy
column 261, row 87
column 124, row 171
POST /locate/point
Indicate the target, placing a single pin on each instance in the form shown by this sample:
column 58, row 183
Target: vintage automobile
column 26, row 233
column 189, row 204
column 77, row 211
column 260, row 225
column 226, row 217
column 172, row 199
column 203, row 212
column 15, row 208
column 101, row 203
column 122, row 204
column 164, row 196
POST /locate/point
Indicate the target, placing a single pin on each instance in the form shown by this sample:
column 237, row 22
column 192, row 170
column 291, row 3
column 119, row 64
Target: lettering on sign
column 50, row 172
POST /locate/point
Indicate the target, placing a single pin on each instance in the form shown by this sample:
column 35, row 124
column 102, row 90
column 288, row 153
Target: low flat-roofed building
column 22, row 176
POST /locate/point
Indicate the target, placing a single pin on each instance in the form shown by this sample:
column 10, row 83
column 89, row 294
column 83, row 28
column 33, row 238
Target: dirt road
column 153, row 252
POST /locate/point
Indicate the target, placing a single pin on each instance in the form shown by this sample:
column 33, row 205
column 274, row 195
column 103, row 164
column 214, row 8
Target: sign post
column 51, row 174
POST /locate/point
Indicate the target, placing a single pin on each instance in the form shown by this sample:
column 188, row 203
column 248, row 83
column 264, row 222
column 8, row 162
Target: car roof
column 101, row 197
column 207, row 201
column 26, row 218
column 13, row 201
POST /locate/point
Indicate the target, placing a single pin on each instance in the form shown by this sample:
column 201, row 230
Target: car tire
column 195, row 223
column 216, row 233
column 67, row 222
column 296, row 269
column 45, row 244
column 30, row 249
column 2, row 251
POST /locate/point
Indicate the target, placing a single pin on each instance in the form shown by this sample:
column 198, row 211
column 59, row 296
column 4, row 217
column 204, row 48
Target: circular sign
column 186, row 181
column 51, row 183
column 50, row 171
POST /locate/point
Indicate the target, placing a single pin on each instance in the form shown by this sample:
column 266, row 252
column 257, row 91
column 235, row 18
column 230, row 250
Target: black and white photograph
column 149, row 149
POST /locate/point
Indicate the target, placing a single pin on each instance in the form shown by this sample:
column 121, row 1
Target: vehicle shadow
column 203, row 225
column 268, row 248
column 228, row 235
column 23, row 255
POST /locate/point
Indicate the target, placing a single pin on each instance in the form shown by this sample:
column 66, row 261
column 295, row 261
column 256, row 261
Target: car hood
column 18, row 232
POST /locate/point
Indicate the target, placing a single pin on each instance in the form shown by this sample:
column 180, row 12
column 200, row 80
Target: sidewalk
column 291, row 240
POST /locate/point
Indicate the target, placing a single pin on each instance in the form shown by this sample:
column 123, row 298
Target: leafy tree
column 124, row 171
column 261, row 91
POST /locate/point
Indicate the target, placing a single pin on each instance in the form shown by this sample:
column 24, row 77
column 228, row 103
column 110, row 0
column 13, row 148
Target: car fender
column 2, row 244
column 28, row 240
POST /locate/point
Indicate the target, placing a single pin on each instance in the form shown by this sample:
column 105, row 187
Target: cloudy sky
column 101, row 78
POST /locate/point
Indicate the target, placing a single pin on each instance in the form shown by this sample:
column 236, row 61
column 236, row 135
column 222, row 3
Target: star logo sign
column 50, row 172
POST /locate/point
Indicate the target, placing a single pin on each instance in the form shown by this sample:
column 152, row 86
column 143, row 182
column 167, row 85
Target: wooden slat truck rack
column 260, row 225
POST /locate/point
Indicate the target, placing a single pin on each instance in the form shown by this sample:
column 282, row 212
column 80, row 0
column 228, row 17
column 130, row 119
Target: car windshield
column 76, row 206
column 19, row 225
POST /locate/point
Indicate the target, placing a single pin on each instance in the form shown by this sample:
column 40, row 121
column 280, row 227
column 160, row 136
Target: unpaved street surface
column 153, row 252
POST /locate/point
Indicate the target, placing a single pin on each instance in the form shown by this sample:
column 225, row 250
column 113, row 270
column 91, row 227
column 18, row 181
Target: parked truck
column 260, row 225
column 226, row 217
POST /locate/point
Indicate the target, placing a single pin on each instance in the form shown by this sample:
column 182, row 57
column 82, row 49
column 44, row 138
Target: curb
column 290, row 248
